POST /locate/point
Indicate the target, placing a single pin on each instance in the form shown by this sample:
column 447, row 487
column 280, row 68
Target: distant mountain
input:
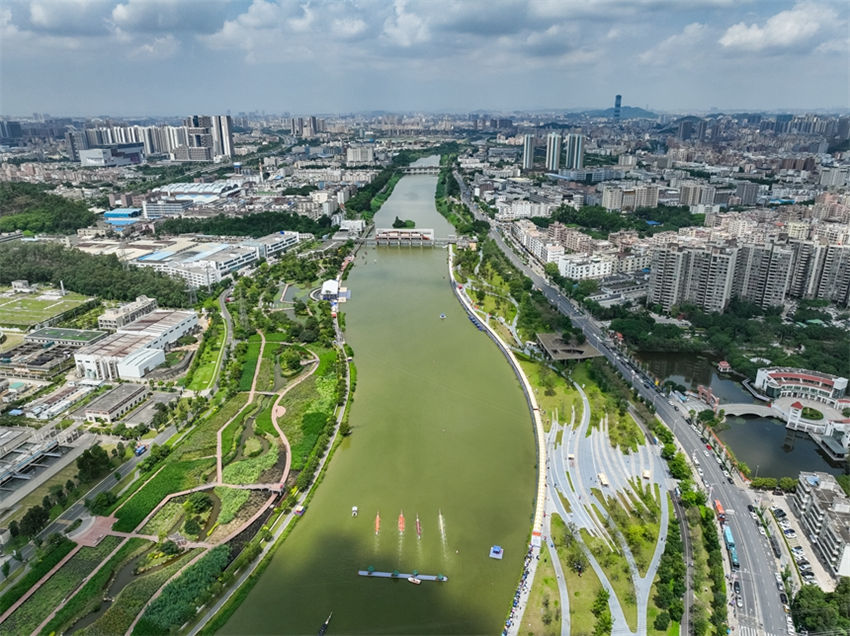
column 626, row 112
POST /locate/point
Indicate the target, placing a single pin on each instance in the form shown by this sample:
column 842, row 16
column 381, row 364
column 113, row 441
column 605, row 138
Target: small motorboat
column 442, row 316
column 414, row 580
column 401, row 522
column 377, row 523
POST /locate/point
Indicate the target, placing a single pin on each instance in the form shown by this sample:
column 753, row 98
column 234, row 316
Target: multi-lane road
column 761, row 611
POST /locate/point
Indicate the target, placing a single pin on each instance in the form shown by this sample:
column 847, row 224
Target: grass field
column 250, row 362
column 12, row 340
column 204, row 374
column 29, row 309
column 543, row 612
column 563, row 396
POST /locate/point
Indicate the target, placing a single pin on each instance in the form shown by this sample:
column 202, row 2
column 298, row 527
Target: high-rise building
column 762, row 272
column 695, row 193
column 528, row 152
column 748, row 192
column 553, row 151
column 222, row 135
column 575, row 152
column 618, row 100
column 700, row 275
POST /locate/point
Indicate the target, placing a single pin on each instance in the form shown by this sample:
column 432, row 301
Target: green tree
column 33, row 521
column 93, row 463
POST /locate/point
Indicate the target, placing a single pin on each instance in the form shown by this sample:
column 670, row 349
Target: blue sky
column 163, row 57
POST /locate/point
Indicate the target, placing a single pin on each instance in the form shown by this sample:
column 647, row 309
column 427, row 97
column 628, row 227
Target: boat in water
column 443, row 316
column 401, row 522
column 412, row 579
column 324, row 627
column 418, row 527
column 377, row 523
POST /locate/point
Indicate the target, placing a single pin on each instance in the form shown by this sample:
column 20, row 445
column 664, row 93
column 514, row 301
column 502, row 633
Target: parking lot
column 799, row 544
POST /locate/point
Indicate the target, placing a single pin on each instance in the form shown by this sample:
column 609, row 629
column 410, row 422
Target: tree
column 14, row 529
column 662, row 621
column 198, row 502
column 34, row 520
column 551, row 270
column 192, row 526
column 101, row 502
column 788, row 484
column 291, row 359
column 93, row 463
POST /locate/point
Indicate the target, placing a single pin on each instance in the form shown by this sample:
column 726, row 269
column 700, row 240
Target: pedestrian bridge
column 421, row 170
column 751, row 409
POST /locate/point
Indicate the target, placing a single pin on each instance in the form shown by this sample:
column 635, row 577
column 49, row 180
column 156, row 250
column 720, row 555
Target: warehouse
column 112, row 405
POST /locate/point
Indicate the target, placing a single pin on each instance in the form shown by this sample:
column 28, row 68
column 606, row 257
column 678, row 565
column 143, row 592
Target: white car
column 762, row 532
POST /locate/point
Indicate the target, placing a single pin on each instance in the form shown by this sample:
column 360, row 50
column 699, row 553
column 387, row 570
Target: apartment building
column 824, row 513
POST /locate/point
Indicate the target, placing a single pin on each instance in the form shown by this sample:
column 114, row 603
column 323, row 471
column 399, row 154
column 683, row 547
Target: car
column 797, row 550
column 790, row 533
column 670, row 402
column 779, row 586
column 762, row 532
column 705, row 452
column 737, row 587
column 708, row 446
column 778, row 577
column 754, row 516
column 751, row 508
column 739, row 601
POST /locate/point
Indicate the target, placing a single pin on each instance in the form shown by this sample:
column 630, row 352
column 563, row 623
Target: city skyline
column 135, row 57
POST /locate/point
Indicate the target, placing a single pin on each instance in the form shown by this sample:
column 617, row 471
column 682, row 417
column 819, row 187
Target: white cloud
column 677, row 48
column 160, row 48
column 786, row 30
column 405, row 28
column 348, row 27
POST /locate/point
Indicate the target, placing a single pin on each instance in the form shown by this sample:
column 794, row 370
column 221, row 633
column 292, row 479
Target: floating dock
column 439, row 578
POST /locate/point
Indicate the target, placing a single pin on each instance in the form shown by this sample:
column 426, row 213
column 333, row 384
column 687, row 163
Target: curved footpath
column 513, row 625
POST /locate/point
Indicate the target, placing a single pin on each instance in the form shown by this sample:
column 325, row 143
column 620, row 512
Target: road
column 78, row 509
column 762, row 611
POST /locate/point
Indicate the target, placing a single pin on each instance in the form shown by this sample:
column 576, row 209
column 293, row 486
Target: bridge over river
column 418, row 237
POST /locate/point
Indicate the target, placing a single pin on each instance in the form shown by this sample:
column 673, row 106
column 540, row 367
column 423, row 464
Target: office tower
column 553, row 151
column 528, row 152
column 748, row 192
column 297, row 126
column 575, row 152
column 617, row 101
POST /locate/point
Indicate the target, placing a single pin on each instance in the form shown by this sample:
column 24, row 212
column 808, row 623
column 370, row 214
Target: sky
column 173, row 57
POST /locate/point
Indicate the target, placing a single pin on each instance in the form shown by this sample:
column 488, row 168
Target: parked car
column 737, row 587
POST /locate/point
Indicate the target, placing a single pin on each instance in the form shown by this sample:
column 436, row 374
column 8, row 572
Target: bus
column 727, row 536
column 733, row 558
column 718, row 508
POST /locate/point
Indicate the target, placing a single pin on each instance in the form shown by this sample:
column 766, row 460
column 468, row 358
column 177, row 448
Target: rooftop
column 115, row 397
column 82, row 336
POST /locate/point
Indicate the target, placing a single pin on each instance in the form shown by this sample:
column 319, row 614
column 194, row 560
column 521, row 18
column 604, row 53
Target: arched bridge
column 750, row 409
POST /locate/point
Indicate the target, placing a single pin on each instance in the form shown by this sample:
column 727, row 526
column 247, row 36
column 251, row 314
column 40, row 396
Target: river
column 762, row 442
column 440, row 430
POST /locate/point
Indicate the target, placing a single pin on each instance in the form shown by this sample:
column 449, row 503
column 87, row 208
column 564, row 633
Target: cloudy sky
column 163, row 57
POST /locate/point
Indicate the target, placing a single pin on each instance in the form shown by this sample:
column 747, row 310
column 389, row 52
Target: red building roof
column 797, row 405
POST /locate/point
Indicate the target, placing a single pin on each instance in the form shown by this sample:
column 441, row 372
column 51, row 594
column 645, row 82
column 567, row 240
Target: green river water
column 440, row 430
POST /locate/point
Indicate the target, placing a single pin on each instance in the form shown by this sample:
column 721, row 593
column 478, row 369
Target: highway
column 762, row 612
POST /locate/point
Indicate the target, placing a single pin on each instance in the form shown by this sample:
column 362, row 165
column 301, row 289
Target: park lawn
column 26, row 310
column 491, row 305
column 564, row 395
column 597, row 399
column 250, row 365
column 582, row 589
column 202, row 440
column 174, row 477
column 543, row 612
column 204, row 374
column 618, row 574
column 639, row 525
column 504, row 333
